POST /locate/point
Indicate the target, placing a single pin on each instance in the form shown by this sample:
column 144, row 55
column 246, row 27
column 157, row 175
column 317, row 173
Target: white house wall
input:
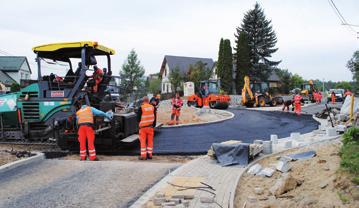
column 166, row 86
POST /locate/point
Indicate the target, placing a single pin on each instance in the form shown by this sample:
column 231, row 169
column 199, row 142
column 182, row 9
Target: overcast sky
column 311, row 40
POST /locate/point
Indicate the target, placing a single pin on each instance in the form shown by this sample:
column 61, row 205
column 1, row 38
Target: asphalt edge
column 237, row 181
column 10, row 166
column 141, row 201
column 204, row 123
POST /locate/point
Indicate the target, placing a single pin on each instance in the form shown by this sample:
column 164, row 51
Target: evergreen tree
column 225, row 65
column 132, row 73
column 227, row 75
column 242, row 59
column 219, row 65
column 261, row 41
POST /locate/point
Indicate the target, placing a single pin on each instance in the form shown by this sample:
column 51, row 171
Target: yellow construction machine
column 261, row 96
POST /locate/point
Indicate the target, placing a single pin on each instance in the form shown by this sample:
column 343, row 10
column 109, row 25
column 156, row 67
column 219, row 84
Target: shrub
column 349, row 153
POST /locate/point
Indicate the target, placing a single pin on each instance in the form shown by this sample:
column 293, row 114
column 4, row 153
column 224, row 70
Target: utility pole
column 323, row 84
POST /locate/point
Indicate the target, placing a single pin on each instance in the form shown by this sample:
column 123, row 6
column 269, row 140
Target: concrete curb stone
column 204, row 123
column 10, row 166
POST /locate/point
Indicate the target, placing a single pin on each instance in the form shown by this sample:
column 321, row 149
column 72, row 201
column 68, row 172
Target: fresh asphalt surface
column 247, row 125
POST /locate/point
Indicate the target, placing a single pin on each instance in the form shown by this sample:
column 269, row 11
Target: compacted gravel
column 69, row 183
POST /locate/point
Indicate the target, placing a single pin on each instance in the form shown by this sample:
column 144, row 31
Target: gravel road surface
column 66, row 183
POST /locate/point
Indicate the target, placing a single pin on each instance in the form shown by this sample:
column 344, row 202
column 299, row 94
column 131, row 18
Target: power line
column 341, row 17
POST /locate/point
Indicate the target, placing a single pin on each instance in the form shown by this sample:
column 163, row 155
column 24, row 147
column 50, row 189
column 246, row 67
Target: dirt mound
column 320, row 183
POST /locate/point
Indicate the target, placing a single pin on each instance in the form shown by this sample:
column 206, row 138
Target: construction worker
column 332, row 96
column 98, row 77
column 177, row 104
column 315, row 96
column 85, row 121
column 298, row 103
column 155, row 101
column 286, row 105
column 146, row 115
column 320, row 96
column 347, row 93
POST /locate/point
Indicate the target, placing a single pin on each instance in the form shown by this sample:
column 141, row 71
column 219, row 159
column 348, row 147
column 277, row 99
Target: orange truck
column 209, row 96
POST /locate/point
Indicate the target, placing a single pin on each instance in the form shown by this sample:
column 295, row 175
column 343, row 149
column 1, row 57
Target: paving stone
column 160, row 195
column 186, row 203
column 254, row 169
column 168, row 204
column 283, row 184
column 323, row 184
column 266, row 172
column 177, row 201
column 206, row 199
column 288, row 144
column 252, row 199
column 331, row 132
column 274, row 138
column 159, row 200
column 267, row 147
column 258, row 190
column 283, row 166
column 295, row 136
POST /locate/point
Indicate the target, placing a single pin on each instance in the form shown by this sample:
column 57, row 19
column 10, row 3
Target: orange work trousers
column 175, row 116
column 86, row 133
column 333, row 99
column 146, row 141
column 298, row 108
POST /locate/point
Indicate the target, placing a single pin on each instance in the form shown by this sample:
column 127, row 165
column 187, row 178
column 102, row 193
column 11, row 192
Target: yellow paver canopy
column 65, row 51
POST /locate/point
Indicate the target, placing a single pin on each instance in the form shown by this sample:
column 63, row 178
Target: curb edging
column 10, row 166
column 204, row 123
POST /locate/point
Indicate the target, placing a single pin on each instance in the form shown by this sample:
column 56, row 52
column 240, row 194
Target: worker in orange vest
column 333, row 97
column 320, row 96
column 85, row 121
column 298, row 104
column 177, row 104
column 146, row 115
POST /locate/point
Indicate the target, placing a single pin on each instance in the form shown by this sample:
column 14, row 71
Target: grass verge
column 349, row 153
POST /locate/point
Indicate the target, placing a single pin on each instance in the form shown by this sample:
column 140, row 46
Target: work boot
column 142, row 158
column 149, row 157
column 96, row 159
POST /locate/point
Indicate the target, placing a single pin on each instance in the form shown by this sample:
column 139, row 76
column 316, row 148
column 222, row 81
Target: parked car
column 339, row 95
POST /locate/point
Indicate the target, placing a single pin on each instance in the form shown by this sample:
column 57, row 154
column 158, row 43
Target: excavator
column 307, row 91
column 209, row 96
column 43, row 111
column 260, row 98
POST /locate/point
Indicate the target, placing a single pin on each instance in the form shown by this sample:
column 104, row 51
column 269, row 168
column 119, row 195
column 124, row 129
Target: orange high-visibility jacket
column 148, row 115
column 85, row 116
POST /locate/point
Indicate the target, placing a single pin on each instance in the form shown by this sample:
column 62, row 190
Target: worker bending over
column 146, row 115
column 85, row 121
column 287, row 104
column 298, row 104
column 177, row 104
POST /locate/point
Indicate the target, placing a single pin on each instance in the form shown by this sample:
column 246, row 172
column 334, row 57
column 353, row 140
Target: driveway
column 68, row 183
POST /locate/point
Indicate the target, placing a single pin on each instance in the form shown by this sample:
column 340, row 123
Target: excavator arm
column 246, row 89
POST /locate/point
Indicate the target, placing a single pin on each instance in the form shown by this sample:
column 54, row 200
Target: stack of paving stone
column 174, row 201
